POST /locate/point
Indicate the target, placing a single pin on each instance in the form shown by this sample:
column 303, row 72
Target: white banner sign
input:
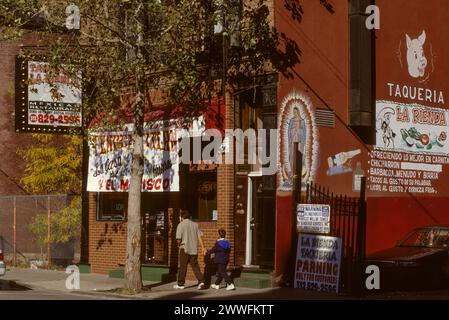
column 53, row 99
column 110, row 157
column 411, row 128
column 318, row 261
column 313, row 218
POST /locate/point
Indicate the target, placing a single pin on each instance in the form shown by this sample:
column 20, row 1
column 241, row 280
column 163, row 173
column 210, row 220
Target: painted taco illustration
column 412, row 137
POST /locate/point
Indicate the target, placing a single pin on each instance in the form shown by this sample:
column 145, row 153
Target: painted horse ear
column 422, row 37
column 409, row 40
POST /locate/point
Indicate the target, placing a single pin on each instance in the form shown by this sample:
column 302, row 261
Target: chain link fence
column 19, row 244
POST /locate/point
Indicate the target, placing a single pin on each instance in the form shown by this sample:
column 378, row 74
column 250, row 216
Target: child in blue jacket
column 221, row 250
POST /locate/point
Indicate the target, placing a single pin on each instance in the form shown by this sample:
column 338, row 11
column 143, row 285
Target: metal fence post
column 296, row 198
column 48, row 233
column 14, row 227
column 361, row 241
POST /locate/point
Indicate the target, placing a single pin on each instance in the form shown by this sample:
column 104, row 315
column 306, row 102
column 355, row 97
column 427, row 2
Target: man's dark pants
column 184, row 259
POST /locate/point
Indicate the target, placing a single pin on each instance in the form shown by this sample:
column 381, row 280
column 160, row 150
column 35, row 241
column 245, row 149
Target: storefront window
column 207, row 198
column 111, row 206
column 201, row 195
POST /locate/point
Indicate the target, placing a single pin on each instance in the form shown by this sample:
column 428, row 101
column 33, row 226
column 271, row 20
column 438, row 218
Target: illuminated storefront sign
column 47, row 100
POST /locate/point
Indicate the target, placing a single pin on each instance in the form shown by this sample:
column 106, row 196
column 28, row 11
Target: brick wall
column 226, row 182
column 107, row 241
column 12, row 165
column 225, row 198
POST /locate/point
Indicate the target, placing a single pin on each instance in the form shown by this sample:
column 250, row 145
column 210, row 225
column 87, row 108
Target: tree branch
column 103, row 39
column 123, row 39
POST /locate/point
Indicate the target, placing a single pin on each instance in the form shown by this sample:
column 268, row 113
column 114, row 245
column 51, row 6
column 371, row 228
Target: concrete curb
column 80, row 292
column 107, row 294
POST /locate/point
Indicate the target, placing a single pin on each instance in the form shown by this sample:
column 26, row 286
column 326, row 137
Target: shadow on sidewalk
column 162, row 284
column 10, row 285
column 273, row 294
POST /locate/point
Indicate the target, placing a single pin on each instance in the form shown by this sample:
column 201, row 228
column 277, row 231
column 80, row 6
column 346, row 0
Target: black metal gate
column 348, row 222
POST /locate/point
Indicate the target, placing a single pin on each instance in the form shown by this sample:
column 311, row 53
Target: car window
column 441, row 239
column 430, row 238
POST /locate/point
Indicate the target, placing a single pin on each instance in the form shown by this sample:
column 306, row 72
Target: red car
column 420, row 260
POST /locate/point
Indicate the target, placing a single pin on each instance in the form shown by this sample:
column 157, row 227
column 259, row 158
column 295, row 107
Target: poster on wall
column 160, row 220
column 313, row 218
column 412, row 128
column 110, row 157
column 318, row 262
column 49, row 101
column 411, row 148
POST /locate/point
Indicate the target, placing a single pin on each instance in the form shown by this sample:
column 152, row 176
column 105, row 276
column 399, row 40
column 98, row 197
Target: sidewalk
column 99, row 285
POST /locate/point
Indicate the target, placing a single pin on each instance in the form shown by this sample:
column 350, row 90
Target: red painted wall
column 391, row 216
column 390, row 219
column 322, row 79
column 322, row 76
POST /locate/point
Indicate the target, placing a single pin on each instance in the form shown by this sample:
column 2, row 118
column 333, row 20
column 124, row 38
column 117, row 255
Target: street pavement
column 42, row 294
column 47, row 282
column 30, row 284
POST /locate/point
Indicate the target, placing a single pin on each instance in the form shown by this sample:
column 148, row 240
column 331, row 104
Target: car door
column 443, row 242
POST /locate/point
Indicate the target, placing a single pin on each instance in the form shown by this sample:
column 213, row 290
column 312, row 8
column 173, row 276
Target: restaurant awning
column 213, row 112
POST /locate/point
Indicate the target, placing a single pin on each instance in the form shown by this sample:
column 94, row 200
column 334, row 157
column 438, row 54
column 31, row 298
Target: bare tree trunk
column 133, row 274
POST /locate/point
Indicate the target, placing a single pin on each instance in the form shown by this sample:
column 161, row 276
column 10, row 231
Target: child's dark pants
column 222, row 274
column 210, row 269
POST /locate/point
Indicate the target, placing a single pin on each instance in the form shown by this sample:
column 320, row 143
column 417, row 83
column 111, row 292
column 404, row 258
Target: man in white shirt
column 188, row 234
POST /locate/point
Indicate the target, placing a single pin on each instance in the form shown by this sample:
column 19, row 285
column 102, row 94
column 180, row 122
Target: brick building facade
column 334, row 89
column 107, row 239
column 14, row 199
column 12, row 165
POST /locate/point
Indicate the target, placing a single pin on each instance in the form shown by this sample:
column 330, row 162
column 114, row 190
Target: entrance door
column 262, row 224
column 257, row 220
column 240, row 218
